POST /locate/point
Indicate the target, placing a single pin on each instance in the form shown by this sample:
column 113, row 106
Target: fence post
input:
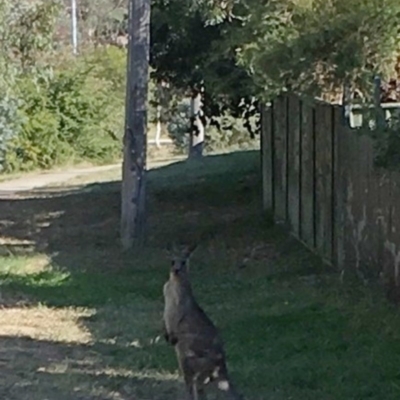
column 267, row 161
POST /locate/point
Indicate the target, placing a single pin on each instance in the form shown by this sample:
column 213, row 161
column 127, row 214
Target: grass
column 81, row 319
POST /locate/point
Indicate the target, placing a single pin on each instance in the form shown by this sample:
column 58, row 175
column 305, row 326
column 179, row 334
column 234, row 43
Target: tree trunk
column 134, row 163
column 197, row 126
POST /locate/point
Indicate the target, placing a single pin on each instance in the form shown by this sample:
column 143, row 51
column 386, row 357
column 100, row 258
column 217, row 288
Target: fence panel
column 280, row 158
column 307, row 190
column 319, row 175
column 391, row 273
column 368, row 208
column 338, row 209
column 324, row 179
column 294, row 164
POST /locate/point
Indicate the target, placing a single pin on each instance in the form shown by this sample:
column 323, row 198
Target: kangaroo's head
column 180, row 262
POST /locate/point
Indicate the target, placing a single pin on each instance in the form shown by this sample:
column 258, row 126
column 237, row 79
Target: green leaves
column 314, row 46
column 27, row 30
column 193, row 43
column 69, row 115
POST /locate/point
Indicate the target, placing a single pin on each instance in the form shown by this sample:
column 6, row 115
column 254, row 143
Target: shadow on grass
column 290, row 330
column 40, row 369
column 79, row 230
column 70, row 240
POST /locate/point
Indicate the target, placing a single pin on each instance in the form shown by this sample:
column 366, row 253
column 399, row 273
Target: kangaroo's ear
column 170, row 250
column 189, row 250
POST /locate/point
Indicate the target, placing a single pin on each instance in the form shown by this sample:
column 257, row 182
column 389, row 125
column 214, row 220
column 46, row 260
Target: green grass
column 292, row 330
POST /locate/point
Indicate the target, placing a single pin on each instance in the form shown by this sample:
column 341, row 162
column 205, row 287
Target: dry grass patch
column 34, row 264
column 45, row 323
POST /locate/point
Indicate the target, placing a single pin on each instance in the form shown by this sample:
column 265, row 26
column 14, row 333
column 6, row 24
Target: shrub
column 55, row 107
column 66, row 115
column 230, row 134
column 9, row 123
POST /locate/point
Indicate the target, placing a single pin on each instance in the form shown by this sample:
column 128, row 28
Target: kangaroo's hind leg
column 191, row 390
column 190, row 380
column 194, row 391
column 200, row 391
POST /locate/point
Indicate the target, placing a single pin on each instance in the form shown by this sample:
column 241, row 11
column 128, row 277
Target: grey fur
column 197, row 343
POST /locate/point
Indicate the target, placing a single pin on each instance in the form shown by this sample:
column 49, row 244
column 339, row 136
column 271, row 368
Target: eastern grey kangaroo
column 198, row 346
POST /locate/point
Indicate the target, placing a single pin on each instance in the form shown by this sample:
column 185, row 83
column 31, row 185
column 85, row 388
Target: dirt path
column 30, row 182
column 41, row 179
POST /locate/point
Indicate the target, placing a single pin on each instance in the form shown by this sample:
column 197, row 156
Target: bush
column 109, row 64
column 55, row 107
column 73, row 113
column 9, row 123
column 315, row 46
column 230, row 134
column 178, row 125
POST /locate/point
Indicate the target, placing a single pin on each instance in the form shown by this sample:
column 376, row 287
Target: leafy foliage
column 9, row 122
column 191, row 47
column 178, row 125
column 29, row 28
column 102, row 20
column 250, row 48
column 64, row 117
column 315, row 46
column 55, row 107
column 231, row 134
column 240, row 50
column 386, row 142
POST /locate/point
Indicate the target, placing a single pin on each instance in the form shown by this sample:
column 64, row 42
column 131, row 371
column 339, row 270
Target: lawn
column 80, row 320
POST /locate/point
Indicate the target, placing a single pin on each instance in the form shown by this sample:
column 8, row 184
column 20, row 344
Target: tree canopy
column 250, row 47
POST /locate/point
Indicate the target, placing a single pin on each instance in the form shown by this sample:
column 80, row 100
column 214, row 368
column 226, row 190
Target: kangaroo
column 197, row 343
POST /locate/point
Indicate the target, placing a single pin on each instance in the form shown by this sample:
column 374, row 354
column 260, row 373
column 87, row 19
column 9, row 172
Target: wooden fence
column 319, row 178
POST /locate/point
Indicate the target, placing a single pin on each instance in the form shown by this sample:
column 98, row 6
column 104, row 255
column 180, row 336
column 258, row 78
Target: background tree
column 315, row 46
column 191, row 50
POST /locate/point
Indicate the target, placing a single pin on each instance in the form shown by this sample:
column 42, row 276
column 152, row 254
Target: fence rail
column 319, row 179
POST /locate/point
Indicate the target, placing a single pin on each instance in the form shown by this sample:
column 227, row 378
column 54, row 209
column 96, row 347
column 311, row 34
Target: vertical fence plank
column 323, row 164
column 338, row 184
column 359, row 228
column 369, row 235
column 349, row 169
column 307, row 174
column 392, row 243
column 388, row 251
column 294, row 164
column 372, row 212
column 280, row 159
column 267, row 156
